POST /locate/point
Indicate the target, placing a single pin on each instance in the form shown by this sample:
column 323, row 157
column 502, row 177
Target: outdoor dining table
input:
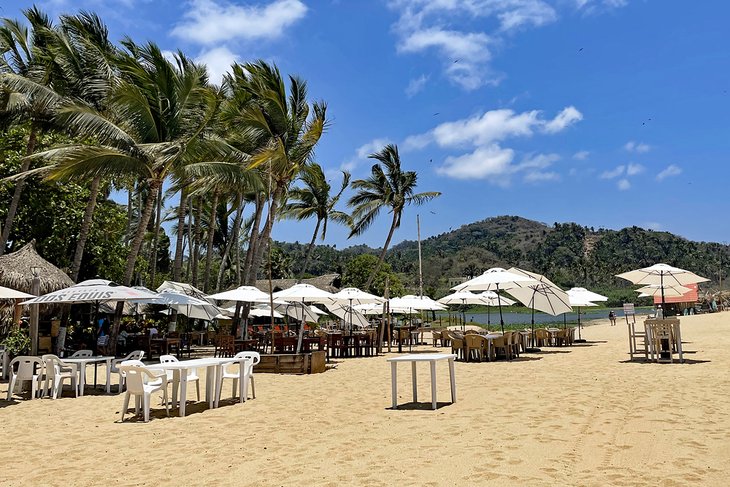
column 81, row 365
column 213, row 367
column 650, row 326
column 431, row 358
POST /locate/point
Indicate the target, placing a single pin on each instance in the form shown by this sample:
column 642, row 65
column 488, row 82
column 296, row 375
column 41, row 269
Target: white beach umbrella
column 297, row 310
column 663, row 275
column 92, row 291
column 7, row 293
column 668, row 291
column 184, row 304
column 264, row 311
column 494, row 299
column 418, row 303
column 244, row 294
column 581, row 294
column 495, row 279
column 370, row 309
column 466, row 297
column 184, row 288
column 353, row 296
column 316, row 310
column 346, row 312
column 304, row 293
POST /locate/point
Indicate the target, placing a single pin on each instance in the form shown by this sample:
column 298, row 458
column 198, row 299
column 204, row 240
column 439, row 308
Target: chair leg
column 167, row 403
column 253, row 387
column 233, row 392
column 125, row 404
column 146, row 406
column 11, row 386
column 34, row 388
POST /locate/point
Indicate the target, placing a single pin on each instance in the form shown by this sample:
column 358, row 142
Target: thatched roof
column 16, row 273
column 326, row 282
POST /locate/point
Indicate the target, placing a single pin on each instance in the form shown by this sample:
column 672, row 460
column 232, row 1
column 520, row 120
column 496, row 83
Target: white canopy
column 245, row 294
column 264, row 311
column 464, row 297
column 92, row 291
column 662, row 274
column 656, row 290
column 182, row 287
column 581, row 294
column 305, row 293
column 542, row 294
column 494, row 299
column 416, row 303
column 347, row 313
column 7, row 293
column 494, row 279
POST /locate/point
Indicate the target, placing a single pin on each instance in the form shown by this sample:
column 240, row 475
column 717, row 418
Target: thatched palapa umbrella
column 27, row 271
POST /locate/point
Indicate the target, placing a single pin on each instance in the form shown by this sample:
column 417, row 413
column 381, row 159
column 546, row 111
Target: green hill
column 569, row 254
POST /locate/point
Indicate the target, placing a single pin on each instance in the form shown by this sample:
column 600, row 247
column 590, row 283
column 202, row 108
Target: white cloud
column 637, row 147
column 581, row 155
column 495, row 164
column 564, row 119
column 593, row 6
column 428, row 25
column 362, row 153
column 219, row 61
column 416, row 85
column 213, row 21
column 634, row 169
column 492, row 126
column 613, row 173
column 669, row 171
column 623, row 184
column 490, row 162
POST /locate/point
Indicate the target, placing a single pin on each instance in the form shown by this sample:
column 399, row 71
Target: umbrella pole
column 499, row 303
column 661, row 283
column 534, row 348
column 579, row 325
column 301, row 330
column 489, row 317
column 463, row 315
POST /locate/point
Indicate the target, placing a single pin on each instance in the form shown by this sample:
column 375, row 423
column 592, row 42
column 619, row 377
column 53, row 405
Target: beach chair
column 445, row 338
column 142, row 383
column 244, row 369
column 225, row 346
column 28, row 368
column 192, row 375
column 542, row 337
column 473, row 347
column 56, row 373
column 457, row 346
column 136, row 355
column 662, row 342
column 82, row 354
column 515, row 344
column 435, row 336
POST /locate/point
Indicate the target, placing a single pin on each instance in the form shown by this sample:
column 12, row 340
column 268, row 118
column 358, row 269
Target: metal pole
column 35, row 288
column 420, row 265
column 661, row 283
column 499, row 302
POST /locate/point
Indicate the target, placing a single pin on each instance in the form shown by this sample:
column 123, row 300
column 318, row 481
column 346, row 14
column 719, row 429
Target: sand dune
column 580, row 415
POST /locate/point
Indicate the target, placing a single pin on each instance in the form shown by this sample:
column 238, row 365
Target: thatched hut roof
column 327, row 282
column 16, row 273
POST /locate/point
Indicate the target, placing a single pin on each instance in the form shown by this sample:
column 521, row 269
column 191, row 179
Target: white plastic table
column 431, row 358
column 180, row 377
column 81, row 365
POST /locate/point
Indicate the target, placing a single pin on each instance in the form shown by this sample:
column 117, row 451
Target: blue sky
column 608, row 113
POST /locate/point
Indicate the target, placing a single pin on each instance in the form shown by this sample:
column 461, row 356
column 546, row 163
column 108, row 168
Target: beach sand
column 578, row 415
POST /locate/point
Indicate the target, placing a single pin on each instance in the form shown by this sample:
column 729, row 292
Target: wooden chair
column 435, row 336
column 445, row 338
column 224, row 346
column 542, row 337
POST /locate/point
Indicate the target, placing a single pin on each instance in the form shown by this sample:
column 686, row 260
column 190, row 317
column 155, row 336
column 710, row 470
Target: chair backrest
column 436, row 334
column 82, row 354
column 53, row 364
column 166, row 359
column 473, row 340
column 136, row 355
column 27, row 366
column 255, row 357
column 136, row 376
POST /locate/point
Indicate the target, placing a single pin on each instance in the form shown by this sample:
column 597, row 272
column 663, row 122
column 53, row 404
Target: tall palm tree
column 288, row 126
column 387, row 187
column 156, row 127
column 314, row 200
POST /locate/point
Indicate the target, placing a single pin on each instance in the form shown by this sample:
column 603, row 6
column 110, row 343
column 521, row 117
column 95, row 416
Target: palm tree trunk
column 253, row 242
column 85, row 228
column 211, row 236
column 234, row 238
column 265, row 238
column 238, row 258
column 309, row 249
column 177, row 266
column 17, row 193
column 154, row 186
column 156, row 237
column 197, row 237
column 130, row 213
column 189, row 236
column 396, row 215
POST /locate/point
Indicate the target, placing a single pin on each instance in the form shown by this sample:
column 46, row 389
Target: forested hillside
column 570, row 254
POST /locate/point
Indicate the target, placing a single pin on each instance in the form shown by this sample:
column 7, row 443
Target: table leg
column 433, row 384
column 183, row 391
column 678, row 334
column 108, row 376
column 394, row 383
column 242, row 383
column 96, row 367
column 211, row 381
column 415, row 384
column 175, row 384
column 82, row 378
column 452, row 378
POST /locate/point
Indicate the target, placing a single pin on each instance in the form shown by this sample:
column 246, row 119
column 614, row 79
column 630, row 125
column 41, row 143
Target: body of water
column 512, row 318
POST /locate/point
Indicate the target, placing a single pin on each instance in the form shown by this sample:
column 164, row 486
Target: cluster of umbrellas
column 662, row 280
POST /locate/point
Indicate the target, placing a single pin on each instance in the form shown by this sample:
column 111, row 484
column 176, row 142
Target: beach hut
column 30, row 273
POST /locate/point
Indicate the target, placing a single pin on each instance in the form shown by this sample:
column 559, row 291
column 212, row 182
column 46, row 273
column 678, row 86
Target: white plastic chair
column 29, row 368
column 56, row 373
column 192, row 375
column 136, row 355
column 137, row 378
column 82, row 354
column 246, row 362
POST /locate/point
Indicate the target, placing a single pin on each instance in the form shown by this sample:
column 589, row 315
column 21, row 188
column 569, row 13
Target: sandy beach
column 578, row 415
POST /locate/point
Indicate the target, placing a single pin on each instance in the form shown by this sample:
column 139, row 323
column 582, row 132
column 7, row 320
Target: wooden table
column 651, row 324
column 431, row 358
column 165, row 343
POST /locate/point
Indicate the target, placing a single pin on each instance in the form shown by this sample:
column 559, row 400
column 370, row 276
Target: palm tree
column 314, row 200
column 387, row 187
column 156, row 126
column 287, row 127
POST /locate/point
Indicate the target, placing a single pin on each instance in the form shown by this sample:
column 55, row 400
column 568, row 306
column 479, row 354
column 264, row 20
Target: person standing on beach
column 612, row 317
